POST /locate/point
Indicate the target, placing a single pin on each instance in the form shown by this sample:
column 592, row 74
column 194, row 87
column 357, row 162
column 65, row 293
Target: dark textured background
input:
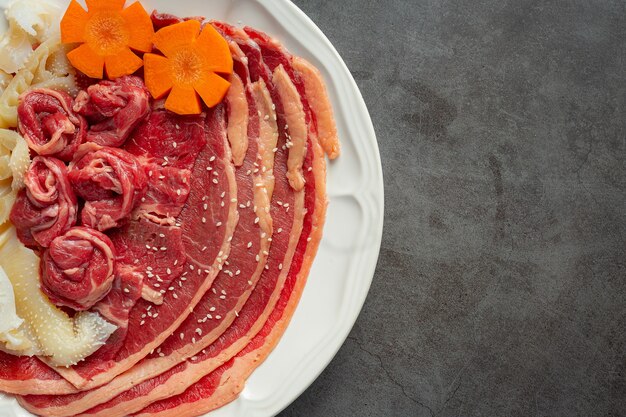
column 500, row 288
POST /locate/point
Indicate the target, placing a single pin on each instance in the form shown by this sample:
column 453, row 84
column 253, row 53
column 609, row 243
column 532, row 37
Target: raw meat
column 77, row 270
column 48, row 123
column 47, row 207
column 113, row 109
column 110, row 180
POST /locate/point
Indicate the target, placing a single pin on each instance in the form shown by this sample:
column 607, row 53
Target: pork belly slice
column 178, row 303
column 224, row 384
column 232, row 287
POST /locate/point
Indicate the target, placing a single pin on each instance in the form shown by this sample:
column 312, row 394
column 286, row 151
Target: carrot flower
column 192, row 64
column 108, row 33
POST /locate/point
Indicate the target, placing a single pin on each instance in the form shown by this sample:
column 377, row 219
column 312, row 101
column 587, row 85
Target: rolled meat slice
column 47, row 207
column 113, row 109
column 49, row 124
column 112, row 182
column 78, row 268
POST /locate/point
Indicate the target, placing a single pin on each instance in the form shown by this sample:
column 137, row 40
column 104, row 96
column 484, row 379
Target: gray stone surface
column 500, row 288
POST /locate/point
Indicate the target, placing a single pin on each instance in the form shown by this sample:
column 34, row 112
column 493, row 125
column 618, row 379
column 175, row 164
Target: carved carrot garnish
column 192, row 64
column 108, row 33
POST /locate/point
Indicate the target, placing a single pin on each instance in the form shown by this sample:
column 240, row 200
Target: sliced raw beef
column 142, row 273
column 77, row 270
column 113, row 109
column 25, row 374
column 47, row 207
column 168, row 189
column 232, row 287
column 224, row 384
column 206, row 244
column 168, row 139
column 288, row 211
column 203, row 242
column 167, row 144
column 48, row 123
column 253, row 67
column 110, row 180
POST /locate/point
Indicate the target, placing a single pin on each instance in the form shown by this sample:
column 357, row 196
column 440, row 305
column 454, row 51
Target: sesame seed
column 175, row 295
column 178, row 192
column 218, row 317
column 169, row 271
column 126, row 290
column 204, row 220
column 257, row 257
column 215, row 181
column 233, row 200
column 212, row 159
column 256, row 220
column 212, row 309
column 249, row 244
column 280, row 229
column 280, row 267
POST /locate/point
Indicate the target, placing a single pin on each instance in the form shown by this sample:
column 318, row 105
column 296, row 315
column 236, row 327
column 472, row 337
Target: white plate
column 344, row 267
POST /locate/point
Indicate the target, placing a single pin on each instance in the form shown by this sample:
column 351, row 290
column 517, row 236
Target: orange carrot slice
column 108, row 34
column 193, row 64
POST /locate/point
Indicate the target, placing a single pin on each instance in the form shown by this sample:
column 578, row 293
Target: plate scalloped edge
column 366, row 198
